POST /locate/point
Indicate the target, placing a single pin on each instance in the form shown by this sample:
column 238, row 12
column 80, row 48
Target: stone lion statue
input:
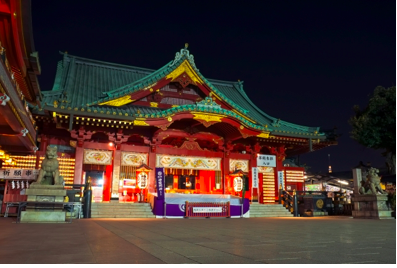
column 49, row 172
column 372, row 184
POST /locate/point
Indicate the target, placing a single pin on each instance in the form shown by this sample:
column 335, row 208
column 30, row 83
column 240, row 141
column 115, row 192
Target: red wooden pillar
column 253, row 164
column 152, row 164
column 225, row 169
column 43, row 143
column 116, row 173
column 280, row 157
column 78, row 168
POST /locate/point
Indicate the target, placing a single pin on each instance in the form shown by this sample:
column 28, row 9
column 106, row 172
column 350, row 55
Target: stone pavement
column 155, row 241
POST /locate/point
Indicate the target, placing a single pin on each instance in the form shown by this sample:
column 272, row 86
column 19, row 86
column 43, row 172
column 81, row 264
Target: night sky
column 304, row 62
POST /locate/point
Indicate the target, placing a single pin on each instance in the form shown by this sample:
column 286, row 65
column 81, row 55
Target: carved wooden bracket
column 190, row 144
column 184, row 80
column 165, row 126
column 279, row 151
column 256, row 148
column 118, row 138
column 81, row 135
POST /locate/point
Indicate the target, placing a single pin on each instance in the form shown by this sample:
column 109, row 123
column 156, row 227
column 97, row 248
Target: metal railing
column 207, row 209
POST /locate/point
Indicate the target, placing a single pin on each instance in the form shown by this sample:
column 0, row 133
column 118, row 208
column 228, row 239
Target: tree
column 375, row 126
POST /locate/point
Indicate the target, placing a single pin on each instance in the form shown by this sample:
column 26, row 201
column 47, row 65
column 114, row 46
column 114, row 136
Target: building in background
column 19, row 88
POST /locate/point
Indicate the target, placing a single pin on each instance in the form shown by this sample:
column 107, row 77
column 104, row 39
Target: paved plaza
column 156, row 241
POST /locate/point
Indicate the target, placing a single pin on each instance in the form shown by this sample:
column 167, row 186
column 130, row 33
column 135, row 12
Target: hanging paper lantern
column 142, row 180
column 238, row 184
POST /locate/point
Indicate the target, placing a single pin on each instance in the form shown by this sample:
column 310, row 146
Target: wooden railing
column 289, row 201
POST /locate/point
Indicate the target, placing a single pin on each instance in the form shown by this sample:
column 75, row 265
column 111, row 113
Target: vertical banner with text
column 255, row 178
column 281, row 180
column 160, row 181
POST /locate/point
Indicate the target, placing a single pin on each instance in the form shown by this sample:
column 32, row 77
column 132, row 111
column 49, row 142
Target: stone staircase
column 121, row 210
column 273, row 210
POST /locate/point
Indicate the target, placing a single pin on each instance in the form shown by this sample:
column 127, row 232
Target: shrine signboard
column 19, row 174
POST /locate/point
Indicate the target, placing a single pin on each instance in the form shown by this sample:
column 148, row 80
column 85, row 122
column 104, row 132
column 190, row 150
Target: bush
column 391, row 200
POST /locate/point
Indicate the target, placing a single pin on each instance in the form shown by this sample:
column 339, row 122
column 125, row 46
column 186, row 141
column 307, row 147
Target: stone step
column 270, row 215
column 268, row 210
column 120, row 204
column 123, row 216
column 121, row 210
column 110, row 213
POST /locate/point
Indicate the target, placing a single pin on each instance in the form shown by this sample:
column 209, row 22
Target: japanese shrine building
column 108, row 119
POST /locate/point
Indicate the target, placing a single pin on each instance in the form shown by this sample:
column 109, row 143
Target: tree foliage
column 375, row 125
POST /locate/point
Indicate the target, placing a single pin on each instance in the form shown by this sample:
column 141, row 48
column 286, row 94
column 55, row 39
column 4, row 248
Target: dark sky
column 305, row 62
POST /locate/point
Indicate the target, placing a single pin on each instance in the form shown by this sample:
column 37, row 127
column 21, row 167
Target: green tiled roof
column 81, row 84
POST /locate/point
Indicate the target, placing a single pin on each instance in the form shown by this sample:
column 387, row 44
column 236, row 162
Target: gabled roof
column 85, row 84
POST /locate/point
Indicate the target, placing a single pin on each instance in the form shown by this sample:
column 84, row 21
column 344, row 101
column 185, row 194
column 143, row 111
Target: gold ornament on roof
column 207, row 117
column 264, row 135
column 119, row 101
column 187, row 68
column 140, row 123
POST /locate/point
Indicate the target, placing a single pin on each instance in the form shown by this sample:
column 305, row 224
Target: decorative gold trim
column 216, row 96
column 242, row 115
column 140, row 123
column 208, row 117
column 264, row 135
column 118, row 102
column 187, row 68
column 154, row 104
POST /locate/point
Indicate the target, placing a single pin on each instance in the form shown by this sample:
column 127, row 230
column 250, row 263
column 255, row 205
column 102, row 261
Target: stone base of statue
column 371, row 206
column 50, row 209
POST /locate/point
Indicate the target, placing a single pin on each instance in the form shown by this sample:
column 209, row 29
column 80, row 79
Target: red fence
column 207, row 209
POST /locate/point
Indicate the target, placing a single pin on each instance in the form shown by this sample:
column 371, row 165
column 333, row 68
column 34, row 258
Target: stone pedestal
column 53, row 212
column 371, row 206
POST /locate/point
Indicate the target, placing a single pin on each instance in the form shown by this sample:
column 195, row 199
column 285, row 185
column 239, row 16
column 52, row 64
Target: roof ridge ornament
column 208, row 102
column 184, row 52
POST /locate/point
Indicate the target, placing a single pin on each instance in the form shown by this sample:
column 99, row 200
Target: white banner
column 266, row 160
column 281, row 179
column 207, row 209
column 255, row 178
column 19, row 174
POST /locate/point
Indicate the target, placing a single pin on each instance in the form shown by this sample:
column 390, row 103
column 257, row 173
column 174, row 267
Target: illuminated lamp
column 110, row 143
column 238, row 182
column 143, row 175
